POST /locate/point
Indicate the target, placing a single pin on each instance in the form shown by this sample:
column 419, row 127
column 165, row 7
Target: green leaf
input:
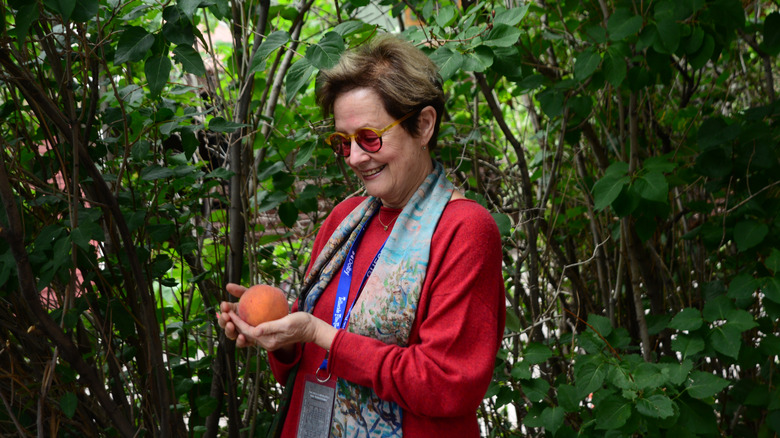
column 62, row 7
column 478, row 60
column 25, row 16
column 272, row 42
column 326, row 53
column 586, row 64
column 669, row 34
column 298, row 77
column 717, row 308
column 615, row 68
column 653, row 186
column 648, row 376
column 567, row 398
column 726, row 339
column 155, row 172
column 133, row 44
column 446, row 16
column 189, row 59
column 188, row 7
column 612, row 413
column 600, row 324
column 535, row 389
column 68, row 403
column 749, row 233
column 448, row 61
column 157, row 71
column 552, row 418
column 703, row 385
column 521, row 370
column 84, row 10
column 677, row 373
column 622, row 23
column 742, row 286
column 771, row 40
column 503, row 222
column 511, row 17
column 688, row 345
column 655, row 406
column 512, row 320
column 741, row 320
column 773, row 261
column 589, row 377
column 219, row 124
column 536, row 353
column 304, row 153
column 502, row 35
column 771, row 288
column 607, row 189
column 687, row 319
column 288, row 213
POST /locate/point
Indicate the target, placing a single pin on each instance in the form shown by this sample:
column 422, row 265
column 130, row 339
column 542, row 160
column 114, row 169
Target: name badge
column 317, row 408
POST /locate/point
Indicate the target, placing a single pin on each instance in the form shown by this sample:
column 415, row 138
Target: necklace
column 391, row 222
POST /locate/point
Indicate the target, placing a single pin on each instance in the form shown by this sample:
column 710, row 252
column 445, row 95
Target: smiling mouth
column 372, row 172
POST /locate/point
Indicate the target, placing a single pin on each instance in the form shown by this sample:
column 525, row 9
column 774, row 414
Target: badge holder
column 319, row 395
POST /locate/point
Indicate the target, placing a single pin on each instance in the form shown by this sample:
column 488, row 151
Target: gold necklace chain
column 391, row 222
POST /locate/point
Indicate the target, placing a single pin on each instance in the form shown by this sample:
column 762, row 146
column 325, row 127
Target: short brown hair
column 402, row 75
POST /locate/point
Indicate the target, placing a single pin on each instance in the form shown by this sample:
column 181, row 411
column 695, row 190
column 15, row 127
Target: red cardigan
column 439, row 380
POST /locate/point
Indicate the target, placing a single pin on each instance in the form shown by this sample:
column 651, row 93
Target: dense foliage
column 627, row 150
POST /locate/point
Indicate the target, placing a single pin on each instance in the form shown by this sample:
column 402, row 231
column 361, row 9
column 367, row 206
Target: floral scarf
column 386, row 308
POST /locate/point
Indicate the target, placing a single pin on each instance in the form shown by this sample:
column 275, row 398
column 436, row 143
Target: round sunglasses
column 369, row 139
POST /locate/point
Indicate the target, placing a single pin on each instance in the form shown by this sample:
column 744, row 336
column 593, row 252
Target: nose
column 356, row 154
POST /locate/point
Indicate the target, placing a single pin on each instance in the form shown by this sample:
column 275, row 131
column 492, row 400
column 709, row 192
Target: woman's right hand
column 281, row 334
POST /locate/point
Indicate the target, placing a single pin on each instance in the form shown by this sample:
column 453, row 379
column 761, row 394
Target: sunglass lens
column 340, row 144
column 369, row 140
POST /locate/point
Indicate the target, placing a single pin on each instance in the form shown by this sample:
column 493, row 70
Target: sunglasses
column 369, row 139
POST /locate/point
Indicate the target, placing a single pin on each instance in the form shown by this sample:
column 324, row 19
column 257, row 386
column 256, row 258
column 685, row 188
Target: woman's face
column 395, row 171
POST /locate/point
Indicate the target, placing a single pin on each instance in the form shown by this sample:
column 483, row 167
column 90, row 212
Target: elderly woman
column 403, row 303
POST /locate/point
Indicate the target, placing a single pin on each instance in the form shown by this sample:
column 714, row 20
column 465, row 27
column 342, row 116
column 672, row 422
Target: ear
column 427, row 121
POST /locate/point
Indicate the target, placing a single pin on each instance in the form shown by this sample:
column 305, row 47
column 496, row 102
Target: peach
column 262, row 303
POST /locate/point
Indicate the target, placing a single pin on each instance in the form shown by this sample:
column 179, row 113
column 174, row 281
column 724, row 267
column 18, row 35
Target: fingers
column 235, row 289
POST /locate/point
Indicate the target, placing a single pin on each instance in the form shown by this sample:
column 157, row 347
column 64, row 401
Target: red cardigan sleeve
column 448, row 365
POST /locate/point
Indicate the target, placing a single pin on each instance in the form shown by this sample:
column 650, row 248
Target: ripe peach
column 261, row 303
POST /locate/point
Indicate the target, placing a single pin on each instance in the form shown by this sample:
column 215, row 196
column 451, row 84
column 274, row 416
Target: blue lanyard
column 340, row 319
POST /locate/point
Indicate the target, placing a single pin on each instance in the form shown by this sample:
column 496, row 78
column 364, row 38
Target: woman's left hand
column 281, row 334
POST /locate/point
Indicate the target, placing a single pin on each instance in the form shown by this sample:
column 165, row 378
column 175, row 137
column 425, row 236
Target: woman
column 404, row 299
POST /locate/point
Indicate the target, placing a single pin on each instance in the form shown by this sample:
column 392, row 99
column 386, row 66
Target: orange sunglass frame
column 338, row 148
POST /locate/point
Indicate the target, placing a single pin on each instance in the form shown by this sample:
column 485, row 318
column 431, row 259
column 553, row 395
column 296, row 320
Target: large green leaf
column 189, row 59
column 749, row 233
column 771, row 40
column 272, row 42
column 133, row 44
column 607, row 189
column 655, row 406
column 298, row 77
column 325, row 53
column 612, row 413
column 511, row 17
column 586, row 64
column 726, row 339
column 703, row 385
column 157, row 71
column 687, row 319
column 622, row 23
column 447, row 60
column 502, row 35
column 653, row 186
column 688, row 345
column 552, row 418
column 536, row 353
